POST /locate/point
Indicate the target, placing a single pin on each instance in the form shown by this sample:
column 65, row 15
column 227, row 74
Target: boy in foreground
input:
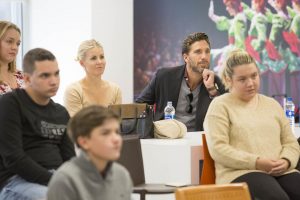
column 93, row 174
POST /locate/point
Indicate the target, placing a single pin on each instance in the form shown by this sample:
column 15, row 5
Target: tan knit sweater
column 76, row 96
column 238, row 134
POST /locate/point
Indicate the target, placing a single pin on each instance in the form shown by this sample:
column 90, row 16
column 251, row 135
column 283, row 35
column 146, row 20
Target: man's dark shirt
column 33, row 138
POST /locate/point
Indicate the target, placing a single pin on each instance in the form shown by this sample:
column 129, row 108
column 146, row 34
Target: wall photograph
column 268, row 30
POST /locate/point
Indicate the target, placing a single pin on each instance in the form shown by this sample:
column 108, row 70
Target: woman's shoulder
column 74, row 86
column 269, row 102
column 223, row 99
column 73, row 89
column 266, row 99
column 222, row 102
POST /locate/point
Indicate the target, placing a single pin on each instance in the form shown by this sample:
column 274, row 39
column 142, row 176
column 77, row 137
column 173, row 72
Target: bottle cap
column 289, row 99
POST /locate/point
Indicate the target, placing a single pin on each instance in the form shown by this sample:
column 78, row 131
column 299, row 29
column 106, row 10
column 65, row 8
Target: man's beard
column 199, row 69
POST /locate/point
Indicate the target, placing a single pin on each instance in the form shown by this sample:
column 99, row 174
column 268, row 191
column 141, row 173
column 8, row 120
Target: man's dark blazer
column 165, row 86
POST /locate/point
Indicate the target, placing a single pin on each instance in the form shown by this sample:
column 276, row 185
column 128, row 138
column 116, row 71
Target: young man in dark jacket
column 33, row 139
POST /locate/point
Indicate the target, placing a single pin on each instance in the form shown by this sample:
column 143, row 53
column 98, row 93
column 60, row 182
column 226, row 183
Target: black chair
column 132, row 159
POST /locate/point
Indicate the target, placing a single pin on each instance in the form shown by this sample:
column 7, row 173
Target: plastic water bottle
column 169, row 111
column 289, row 111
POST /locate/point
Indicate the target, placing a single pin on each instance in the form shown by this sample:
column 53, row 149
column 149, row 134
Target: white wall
column 61, row 25
column 112, row 25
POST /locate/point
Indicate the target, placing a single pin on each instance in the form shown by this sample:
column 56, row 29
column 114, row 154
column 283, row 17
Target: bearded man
column 191, row 87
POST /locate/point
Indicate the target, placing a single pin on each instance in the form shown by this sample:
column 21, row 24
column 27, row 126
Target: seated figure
column 93, row 174
column 92, row 89
column 10, row 40
column 249, row 136
column 33, row 139
column 191, row 87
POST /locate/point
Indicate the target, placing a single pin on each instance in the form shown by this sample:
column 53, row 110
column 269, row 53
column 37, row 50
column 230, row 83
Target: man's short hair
column 191, row 39
column 37, row 54
column 88, row 118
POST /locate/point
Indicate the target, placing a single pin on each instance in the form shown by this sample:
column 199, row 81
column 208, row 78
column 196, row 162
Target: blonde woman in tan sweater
column 92, row 89
column 249, row 136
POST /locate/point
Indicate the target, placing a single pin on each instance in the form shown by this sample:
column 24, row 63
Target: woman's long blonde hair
column 4, row 27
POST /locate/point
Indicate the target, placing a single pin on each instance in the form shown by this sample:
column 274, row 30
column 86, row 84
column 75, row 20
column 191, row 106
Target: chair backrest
column 298, row 164
column 208, row 170
column 236, row 191
column 131, row 158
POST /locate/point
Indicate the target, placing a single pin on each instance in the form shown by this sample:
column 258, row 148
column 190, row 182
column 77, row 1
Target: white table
column 171, row 161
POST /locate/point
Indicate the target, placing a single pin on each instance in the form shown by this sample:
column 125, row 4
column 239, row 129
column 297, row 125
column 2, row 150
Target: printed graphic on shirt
column 52, row 131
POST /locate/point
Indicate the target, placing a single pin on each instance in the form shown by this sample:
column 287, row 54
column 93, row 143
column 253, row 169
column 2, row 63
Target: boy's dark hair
column 37, row 54
column 88, row 118
column 191, row 39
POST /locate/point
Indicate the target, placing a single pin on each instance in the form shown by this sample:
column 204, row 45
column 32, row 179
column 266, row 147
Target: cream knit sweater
column 237, row 134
